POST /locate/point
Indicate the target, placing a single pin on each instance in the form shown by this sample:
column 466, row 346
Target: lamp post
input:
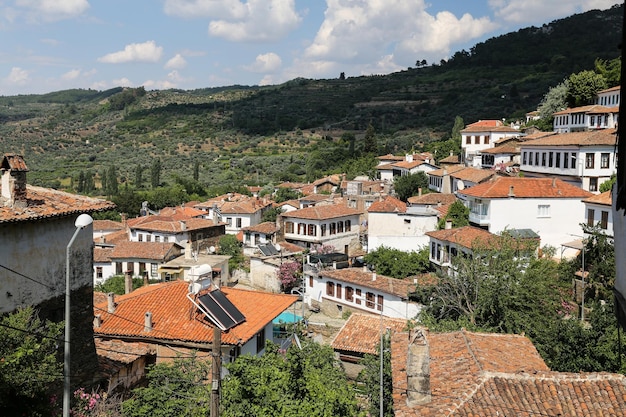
column 81, row 222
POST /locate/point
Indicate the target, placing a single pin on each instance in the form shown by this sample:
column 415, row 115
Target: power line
column 27, row 277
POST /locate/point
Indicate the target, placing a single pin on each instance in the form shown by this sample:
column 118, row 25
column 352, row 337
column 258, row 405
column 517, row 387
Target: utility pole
column 216, row 366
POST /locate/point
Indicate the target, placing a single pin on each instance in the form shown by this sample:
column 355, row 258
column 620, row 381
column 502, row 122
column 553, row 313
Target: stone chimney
column 111, row 302
column 373, row 276
column 128, row 282
column 448, row 224
column 147, row 326
column 418, row 369
column 188, row 254
column 13, row 169
column 511, row 191
column 97, row 321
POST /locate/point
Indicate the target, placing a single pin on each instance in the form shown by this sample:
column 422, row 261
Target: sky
column 52, row 45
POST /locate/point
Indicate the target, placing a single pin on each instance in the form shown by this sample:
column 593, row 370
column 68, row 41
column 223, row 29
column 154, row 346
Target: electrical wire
column 27, row 277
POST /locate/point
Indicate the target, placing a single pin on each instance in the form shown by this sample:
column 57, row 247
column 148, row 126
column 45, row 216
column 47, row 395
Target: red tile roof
column 13, row 162
column 322, row 212
column 431, row 199
column 166, row 224
column 361, row 332
column 604, row 199
column 181, row 213
column 466, row 236
column 474, row 175
column 500, row 187
column 158, row 251
column 450, row 159
column 605, row 137
column 267, row 228
column 447, row 170
column 388, row 205
column 391, row 157
column 388, row 285
column 507, row 148
column 102, row 255
column 479, row 374
column 175, row 318
column 43, row 203
column 592, row 108
column 114, row 237
column 101, row 225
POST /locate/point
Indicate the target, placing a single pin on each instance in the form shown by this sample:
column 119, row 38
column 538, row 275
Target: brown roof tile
column 589, row 138
column 145, row 250
column 604, row 199
column 322, row 212
column 176, row 319
column 158, row 223
column 388, row 205
column 466, row 236
column 395, row 286
column 102, row 255
column 47, row 203
column 100, row 225
column 267, row 228
column 474, row 175
column 361, row 332
column 431, row 199
column 500, row 187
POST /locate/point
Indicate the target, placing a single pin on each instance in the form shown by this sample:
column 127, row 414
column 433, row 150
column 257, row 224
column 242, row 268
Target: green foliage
column 307, row 382
column 270, row 215
column 115, row 284
column 407, row 186
column 399, row 264
column 458, row 214
column 230, row 246
column 125, row 98
column 29, row 366
column 176, row 389
column 553, row 101
column 284, row 194
column 370, row 144
column 155, row 173
column 583, row 88
column 611, row 70
column 608, row 185
column 370, row 378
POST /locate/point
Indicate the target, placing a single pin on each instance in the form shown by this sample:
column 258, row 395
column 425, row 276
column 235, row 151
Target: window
column 593, row 184
column 323, row 229
column 487, row 138
column 257, row 238
column 591, row 214
column 379, row 304
column 468, row 140
column 238, row 222
column 148, row 238
column 260, row 341
column 550, row 159
column 229, row 221
column 369, row 300
column 574, row 160
column 310, row 281
column 330, row 288
column 433, row 250
column 543, row 210
column 157, row 238
column 339, row 227
column 604, row 159
column 140, row 237
column 589, row 160
column 333, row 229
column 536, row 158
column 543, row 159
column 312, row 230
column 524, row 157
column 358, row 296
column 301, row 229
column 558, row 160
column 604, row 221
column 99, row 272
column 289, row 227
column 565, row 160
column 407, row 221
column 349, row 294
column 348, row 225
column 477, row 140
column 338, row 292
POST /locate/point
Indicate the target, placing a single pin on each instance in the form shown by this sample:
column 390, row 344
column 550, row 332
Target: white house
column 236, row 210
column 482, row 135
column 261, row 234
column 336, row 291
column 550, row 207
column 598, row 212
column 336, row 225
column 141, row 259
column 394, row 225
column 453, row 179
column 585, row 159
column 410, row 164
column 36, row 227
column 446, row 244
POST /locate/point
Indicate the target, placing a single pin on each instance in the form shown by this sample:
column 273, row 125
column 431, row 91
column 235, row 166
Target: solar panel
column 272, row 249
column 265, row 250
column 221, row 309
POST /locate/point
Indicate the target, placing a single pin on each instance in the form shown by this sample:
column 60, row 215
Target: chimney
column 409, row 157
column 183, row 225
column 373, row 276
column 553, row 182
column 448, row 224
column 128, row 282
column 123, row 216
column 111, row 302
column 147, row 326
column 364, row 268
column 419, row 191
column 188, row 254
column 103, row 239
column 511, row 191
column 418, row 369
column 14, row 169
column 97, row 321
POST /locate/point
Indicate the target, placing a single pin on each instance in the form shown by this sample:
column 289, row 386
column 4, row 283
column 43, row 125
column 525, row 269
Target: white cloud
column 51, row 10
column 230, row 9
column 269, row 62
column 541, row 11
column 176, row 62
column 135, row 52
column 18, row 76
column 122, row 82
column 71, row 75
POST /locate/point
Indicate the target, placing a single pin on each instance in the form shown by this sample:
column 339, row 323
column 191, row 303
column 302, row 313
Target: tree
column 407, row 186
column 270, row 215
column 116, row 284
column 138, row 176
column 283, row 194
column 398, row 264
column 155, row 173
column 457, row 213
column 583, row 88
column 457, row 127
column 370, row 145
column 174, row 389
column 230, row 246
column 288, row 274
column 112, row 185
column 554, row 100
column 29, row 367
column 610, row 70
column 608, row 185
column 299, row 382
column 196, row 170
column 370, row 378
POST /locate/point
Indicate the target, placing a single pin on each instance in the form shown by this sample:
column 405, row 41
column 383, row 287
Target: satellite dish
column 278, row 248
column 460, row 185
column 212, row 249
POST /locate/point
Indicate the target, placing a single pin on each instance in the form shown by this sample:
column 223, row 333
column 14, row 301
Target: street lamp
column 81, row 222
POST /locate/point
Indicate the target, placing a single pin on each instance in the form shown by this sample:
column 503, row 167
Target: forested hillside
column 298, row 130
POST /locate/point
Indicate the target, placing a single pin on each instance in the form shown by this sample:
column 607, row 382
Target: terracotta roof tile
column 450, row 159
column 466, row 236
column 101, row 225
column 13, row 162
column 507, row 148
column 267, row 228
column 361, row 332
column 322, row 212
column 113, row 238
column 395, row 286
column 592, row 108
column 145, row 250
column 431, row 199
column 474, row 175
column 181, row 213
column 158, row 223
column 391, row 157
column 102, row 255
column 500, row 187
column 448, row 170
column 588, row 138
column 47, row 203
column 175, row 318
column 604, row 199
column 388, row 205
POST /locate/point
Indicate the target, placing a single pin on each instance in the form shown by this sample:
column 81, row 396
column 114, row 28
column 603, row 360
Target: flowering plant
column 288, row 274
column 85, row 403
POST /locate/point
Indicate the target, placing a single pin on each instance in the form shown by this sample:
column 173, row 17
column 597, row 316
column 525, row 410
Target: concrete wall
column 399, row 231
column 264, row 275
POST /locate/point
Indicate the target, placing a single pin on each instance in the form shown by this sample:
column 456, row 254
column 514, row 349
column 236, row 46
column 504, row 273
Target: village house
column 585, row 159
column 393, row 224
column 599, row 212
column 480, row 136
column 37, row 225
column 235, row 210
column 178, row 319
column 261, row 234
column 336, row 225
column 337, row 291
column 106, row 227
column 142, row 259
column 504, row 156
column 457, row 178
column 410, row 164
column 604, row 114
column 488, row 374
column 550, row 207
